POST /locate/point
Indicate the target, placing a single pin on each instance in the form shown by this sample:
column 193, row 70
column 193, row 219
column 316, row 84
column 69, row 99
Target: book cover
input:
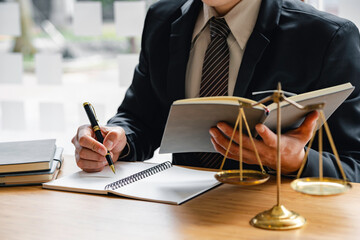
column 26, row 155
column 189, row 120
column 34, row 177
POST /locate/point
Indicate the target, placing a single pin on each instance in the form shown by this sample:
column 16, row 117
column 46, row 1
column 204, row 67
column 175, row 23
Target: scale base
column 321, row 187
column 278, row 218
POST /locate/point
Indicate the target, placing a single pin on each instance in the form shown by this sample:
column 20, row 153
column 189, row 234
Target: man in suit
column 266, row 42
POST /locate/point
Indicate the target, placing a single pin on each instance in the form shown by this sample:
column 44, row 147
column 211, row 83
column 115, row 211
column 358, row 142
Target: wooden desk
column 222, row 213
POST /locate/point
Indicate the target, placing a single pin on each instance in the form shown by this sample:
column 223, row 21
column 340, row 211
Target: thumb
column 307, row 127
column 268, row 136
column 115, row 139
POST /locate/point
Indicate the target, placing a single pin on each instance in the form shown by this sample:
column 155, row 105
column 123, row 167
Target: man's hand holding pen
column 90, row 153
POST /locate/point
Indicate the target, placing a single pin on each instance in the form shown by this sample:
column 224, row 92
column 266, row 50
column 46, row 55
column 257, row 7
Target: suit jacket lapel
column 179, row 49
column 267, row 21
column 255, row 48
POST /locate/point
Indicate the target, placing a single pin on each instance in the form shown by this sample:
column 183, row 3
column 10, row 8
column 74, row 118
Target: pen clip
column 93, row 109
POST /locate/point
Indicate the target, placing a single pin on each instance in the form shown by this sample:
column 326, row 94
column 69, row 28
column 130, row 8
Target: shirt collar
column 241, row 19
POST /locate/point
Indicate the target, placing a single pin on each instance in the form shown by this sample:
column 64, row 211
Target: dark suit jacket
column 292, row 43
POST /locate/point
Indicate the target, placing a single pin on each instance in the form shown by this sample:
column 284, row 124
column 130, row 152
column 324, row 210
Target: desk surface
column 222, row 213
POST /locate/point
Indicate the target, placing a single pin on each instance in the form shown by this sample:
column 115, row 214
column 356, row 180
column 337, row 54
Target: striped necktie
column 215, row 72
column 215, row 75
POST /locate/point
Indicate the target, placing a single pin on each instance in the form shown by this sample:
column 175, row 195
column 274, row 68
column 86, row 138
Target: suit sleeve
column 341, row 64
column 142, row 114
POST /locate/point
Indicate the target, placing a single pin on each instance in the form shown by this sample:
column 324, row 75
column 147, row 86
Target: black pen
column 90, row 111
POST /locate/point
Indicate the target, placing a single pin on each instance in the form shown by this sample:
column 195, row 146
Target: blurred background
column 56, row 54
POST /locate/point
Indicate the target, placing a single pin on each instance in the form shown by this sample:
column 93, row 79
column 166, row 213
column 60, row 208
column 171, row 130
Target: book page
column 188, row 125
column 95, row 182
column 217, row 99
column 292, row 117
column 174, row 185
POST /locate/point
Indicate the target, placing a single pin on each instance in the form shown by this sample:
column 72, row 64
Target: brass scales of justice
column 278, row 217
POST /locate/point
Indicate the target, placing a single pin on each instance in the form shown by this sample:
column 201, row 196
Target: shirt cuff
column 125, row 152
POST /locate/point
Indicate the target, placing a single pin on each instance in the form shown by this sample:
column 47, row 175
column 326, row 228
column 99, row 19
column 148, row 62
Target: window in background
column 56, row 54
column 348, row 9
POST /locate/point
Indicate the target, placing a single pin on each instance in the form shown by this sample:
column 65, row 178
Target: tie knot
column 219, row 27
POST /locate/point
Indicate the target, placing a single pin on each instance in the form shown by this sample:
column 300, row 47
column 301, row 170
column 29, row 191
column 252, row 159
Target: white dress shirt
column 241, row 20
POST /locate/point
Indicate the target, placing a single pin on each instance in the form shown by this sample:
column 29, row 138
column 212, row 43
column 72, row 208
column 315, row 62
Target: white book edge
column 151, row 192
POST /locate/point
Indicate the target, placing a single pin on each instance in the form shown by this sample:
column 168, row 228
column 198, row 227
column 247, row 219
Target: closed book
column 25, row 156
column 34, row 177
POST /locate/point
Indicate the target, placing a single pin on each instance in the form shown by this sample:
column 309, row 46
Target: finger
column 307, row 127
column 268, row 136
column 223, row 141
column 87, row 141
column 228, row 130
column 75, row 139
column 85, row 130
column 222, row 151
column 115, row 139
column 246, row 142
column 249, row 156
column 310, row 119
column 89, row 165
column 97, row 158
column 85, row 153
column 93, row 170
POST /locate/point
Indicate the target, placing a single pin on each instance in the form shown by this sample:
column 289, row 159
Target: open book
column 146, row 181
column 189, row 121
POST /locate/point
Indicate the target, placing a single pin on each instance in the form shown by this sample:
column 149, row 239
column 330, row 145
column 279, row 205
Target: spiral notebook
column 163, row 182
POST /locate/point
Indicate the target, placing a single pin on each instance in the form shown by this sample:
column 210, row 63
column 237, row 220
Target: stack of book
column 29, row 162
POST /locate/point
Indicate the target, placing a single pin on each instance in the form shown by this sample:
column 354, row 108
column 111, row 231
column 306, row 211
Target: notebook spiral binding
column 138, row 176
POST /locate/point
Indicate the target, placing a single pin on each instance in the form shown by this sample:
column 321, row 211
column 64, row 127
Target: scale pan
column 250, row 177
column 324, row 187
